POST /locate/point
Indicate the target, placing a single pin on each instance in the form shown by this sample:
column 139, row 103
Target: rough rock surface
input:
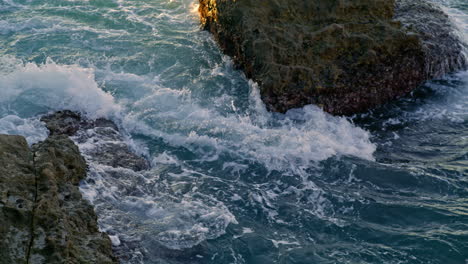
column 17, row 198
column 441, row 46
column 106, row 144
column 43, row 218
column 346, row 56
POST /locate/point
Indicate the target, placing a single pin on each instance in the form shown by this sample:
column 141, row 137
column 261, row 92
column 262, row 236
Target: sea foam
column 31, row 128
column 51, row 86
column 298, row 139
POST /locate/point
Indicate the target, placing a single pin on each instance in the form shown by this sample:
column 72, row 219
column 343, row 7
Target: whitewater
column 231, row 182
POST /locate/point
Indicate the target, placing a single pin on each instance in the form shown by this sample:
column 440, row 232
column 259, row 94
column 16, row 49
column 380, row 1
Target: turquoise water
column 231, row 182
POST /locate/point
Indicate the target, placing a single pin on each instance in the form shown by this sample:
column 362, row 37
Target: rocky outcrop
column 17, row 199
column 43, row 218
column 105, row 143
column 443, row 51
column 346, row 56
column 108, row 155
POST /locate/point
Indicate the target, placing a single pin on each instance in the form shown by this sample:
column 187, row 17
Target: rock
column 106, row 145
column 43, row 217
column 17, row 198
column 346, row 56
column 442, row 48
column 63, row 123
column 68, row 123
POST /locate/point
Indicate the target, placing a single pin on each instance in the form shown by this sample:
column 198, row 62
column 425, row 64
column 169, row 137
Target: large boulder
column 43, row 217
column 346, row 56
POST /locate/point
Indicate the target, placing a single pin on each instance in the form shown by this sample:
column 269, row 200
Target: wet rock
column 346, row 56
column 69, row 123
column 441, row 46
column 17, row 196
column 101, row 137
column 43, row 217
column 63, row 123
column 65, row 225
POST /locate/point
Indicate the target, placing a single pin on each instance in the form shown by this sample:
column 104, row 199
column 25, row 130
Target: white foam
column 32, row 129
column 174, row 223
column 278, row 243
column 164, row 158
column 190, row 222
column 246, row 230
column 281, row 142
column 115, row 240
column 11, row 3
column 51, row 86
column 460, row 21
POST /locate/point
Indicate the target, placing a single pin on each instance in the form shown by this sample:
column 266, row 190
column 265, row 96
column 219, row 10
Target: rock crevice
column 43, row 217
column 31, row 241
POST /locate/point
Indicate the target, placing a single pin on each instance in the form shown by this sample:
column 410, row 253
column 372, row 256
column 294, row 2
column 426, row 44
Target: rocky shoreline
column 43, row 216
column 345, row 56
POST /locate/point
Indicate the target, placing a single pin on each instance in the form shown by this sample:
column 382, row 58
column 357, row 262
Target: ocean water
column 231, row 182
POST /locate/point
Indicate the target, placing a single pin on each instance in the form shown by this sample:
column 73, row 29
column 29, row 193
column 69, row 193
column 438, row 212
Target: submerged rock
column 43, row 217
column 346, row 56
column 104, row 143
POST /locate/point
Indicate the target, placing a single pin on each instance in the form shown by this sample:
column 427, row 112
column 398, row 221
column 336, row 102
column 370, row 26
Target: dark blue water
column 231, row 182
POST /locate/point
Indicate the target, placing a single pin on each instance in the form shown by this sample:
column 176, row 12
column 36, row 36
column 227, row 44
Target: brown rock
column 345, row 55
column 110, row 147
column 17, row 196
column 43, row 217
